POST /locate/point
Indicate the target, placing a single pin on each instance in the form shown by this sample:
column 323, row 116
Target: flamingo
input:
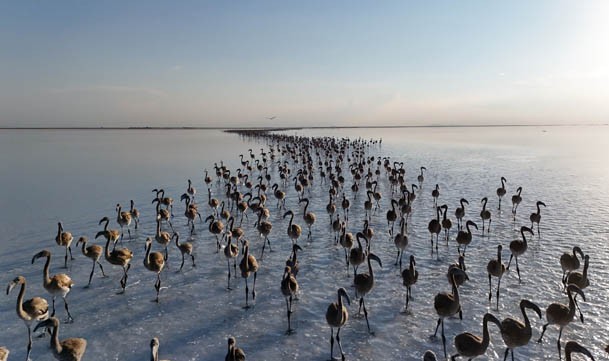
column 501, row 191
column 514, row 332
column 336, row 316
column 518, row 247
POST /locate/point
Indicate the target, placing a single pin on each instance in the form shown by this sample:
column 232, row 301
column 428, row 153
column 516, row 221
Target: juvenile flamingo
column 289, row 288
column 497, row 269
column 58, row 285
column 33, row 309
column 234, row 353
column 93, row 252
column 501, row 191
column 119, row 257
column 470, row 345
column 460, row 212
column 185, row 249
column 308, row 217
column 570, row 262
column 420, row 177
column 123, row 219
column 363, row 285
column 514, row 332
column 294, row 230
column 248, row 265
column 580, row 279
column 154, row 350
column 70, row 349
column 485, row 214
column 231, row 251
column 135, row 214
column 336, row 316
column 454, row 271
column 536, row 217
column 464, row 238
column 518, row 247
column 516, row 199
column 561, row 315
column 435, row 194
column 572, row 346
column 434, row 226
column 357, row 255
column 409, row 278
column 448, row 304
column 447, row 224
column 64, row 239
column 154, row 262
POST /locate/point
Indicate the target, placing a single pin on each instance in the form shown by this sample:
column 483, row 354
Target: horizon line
column 303, row 127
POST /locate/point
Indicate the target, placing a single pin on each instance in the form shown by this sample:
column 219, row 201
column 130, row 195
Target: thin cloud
column 116, row 89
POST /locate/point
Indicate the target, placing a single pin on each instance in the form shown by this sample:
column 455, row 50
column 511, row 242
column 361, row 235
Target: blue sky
column 201, row 63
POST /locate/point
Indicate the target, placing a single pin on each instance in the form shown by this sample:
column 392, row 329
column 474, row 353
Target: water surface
column 78, row 176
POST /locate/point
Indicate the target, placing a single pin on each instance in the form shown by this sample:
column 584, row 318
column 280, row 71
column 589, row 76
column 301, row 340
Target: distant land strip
column 307, row 127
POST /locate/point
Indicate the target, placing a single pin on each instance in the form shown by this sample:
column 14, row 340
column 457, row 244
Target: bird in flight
column 272, row 118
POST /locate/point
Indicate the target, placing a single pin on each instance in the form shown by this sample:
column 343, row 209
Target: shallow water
column 77, row 177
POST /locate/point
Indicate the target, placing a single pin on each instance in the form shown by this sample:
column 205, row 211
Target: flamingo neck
column 527, row 323
column 455, row 290
column 106, row 249
column 45, row 273
column 55, row 344
column 20, row 297
column 524, row 238
column 147, row 257
column 246, row 256
column 585, row 271
column 485, row 335
column 571, row 304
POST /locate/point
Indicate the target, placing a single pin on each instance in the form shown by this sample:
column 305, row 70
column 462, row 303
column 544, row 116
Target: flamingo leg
column 254, row 287
column 489, row 288
column 331, row 343
column 29, row 344
column 498, row 285
column 102, row 268
column 91, row 275
column 543, row 331
column 443, row 339
column 157, row 286
column 182, row 265
column 65, row 304
column 247, row 290
column 342, row 354
column 228, row 278
column 558, row 342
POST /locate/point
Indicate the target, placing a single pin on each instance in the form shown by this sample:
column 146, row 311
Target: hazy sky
column 234, row 63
